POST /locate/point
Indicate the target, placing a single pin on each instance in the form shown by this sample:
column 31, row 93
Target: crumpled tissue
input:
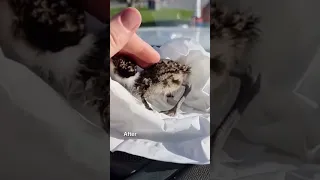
column 184, row 138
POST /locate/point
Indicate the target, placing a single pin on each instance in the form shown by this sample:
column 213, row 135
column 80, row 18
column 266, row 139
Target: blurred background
column 164, row 20
column 166, row 12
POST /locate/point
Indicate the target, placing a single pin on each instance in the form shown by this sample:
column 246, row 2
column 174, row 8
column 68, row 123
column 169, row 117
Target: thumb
column 122, row 27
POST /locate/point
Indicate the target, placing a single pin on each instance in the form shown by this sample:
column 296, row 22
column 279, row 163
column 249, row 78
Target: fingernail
column 130, row 19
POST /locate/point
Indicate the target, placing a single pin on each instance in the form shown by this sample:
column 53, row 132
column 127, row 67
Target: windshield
column 163, row 20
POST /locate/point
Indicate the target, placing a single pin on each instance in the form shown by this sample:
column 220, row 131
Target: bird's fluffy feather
column 164, row 77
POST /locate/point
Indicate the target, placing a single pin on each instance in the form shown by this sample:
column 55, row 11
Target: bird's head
column 124, row 66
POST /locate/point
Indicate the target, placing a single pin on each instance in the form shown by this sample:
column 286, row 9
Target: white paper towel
column 184, row 138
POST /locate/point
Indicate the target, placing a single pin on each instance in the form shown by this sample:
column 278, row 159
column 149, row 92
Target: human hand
column 123, row 38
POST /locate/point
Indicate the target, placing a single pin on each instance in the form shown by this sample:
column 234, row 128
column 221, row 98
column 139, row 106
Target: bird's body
column 162, row 78
column 50, row 38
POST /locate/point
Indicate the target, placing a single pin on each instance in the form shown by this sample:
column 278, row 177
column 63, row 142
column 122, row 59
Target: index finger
column 141, row 51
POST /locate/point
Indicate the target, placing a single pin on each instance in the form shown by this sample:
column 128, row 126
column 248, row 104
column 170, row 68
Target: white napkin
column 181, row 139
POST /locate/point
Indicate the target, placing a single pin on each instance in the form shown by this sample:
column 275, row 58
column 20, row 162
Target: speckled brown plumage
column 166, row 73
column 164, row 77
column 125, row 68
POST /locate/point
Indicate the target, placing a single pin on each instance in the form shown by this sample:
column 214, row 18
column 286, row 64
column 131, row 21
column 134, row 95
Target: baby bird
column 162, row 78
column 50, row 38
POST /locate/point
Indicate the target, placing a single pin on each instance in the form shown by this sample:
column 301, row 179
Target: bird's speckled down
column 162, row 78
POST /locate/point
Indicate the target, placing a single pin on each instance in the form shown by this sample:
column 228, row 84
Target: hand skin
column 123, row 37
